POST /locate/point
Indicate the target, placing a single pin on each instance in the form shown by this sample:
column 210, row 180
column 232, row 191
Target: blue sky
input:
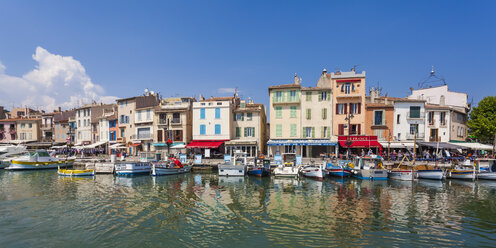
column 199, row 47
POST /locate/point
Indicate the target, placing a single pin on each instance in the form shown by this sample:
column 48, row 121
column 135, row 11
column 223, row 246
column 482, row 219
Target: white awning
column 474, row 145
column 94, row 145
column 396, row 145
column 118, row 146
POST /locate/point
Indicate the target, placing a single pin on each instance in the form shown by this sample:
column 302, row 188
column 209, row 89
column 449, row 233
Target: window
column 139, row 115
column 279, row 130
column 292, row 96
column 355, row 108
column 293, row 130
column 324, row 113
column 203, row 129
column 414, row 112
column 397, row 119
column 148, row 114
column 238, row 132
column 378, row 117
column 79, row 123
column 123, row 133
column 202, row 113
column 278, row 112
column 249, row 132
column 340, row 129
column 323, row 96
column 309, row 132
column 430, row 118
column 347, row 88
column 324, row 132
column 122, row 104
column 292, row 113
column 249, row 116
column 379, row 133
column 240, row 116
column 341, row 109
column 442, row 118
column 203, row 104
column 217, row 113
column 355, row 129
column 219, row 103
column 309, row 96
column 217, row 129
column 278, row 97
column 413, row 127
column 23, row 125
column 309, row 114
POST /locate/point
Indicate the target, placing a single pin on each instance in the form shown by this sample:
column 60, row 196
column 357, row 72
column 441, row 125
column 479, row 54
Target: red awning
column 204, row 144
column 361, row 144
column 134, row 144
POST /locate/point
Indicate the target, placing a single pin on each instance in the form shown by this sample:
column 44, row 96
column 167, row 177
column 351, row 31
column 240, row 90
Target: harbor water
column 42, row 209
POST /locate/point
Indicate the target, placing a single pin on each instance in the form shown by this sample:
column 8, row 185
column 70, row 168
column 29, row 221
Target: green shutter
column 278, row 130
column 274, row 96
column 297, row 95
column 322, row 134
column 328, row 95
column 313, row 132
column 328, row 132
column 320, row 96
column 304, row 133
column 324, row 113
column 252, row 132
column 245, row 131
column 242, row 116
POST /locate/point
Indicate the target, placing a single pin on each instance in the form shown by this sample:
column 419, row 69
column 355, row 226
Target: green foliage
column 482, row 122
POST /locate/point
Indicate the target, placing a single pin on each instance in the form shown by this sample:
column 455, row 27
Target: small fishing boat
column 465, row 171
column 287, row 169
column 38, row 160
column 401, row 174
column 369, row 167
column 172, row 167
column 339, row 170
column 75, row 173
column 314, row 171
column 486, row 168
column 261, row 168
column 235, row 167
column 132, row 168
column 429, row 172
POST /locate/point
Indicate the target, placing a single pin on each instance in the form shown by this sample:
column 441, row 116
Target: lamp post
column 348, row 118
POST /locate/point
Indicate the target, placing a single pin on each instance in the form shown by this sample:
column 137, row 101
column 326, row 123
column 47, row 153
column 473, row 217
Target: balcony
column 412, row 136
column 415, row 115
column 46, row 126
column 176, row 121
column 121, row 139
column 282, row 101
column 175, row 106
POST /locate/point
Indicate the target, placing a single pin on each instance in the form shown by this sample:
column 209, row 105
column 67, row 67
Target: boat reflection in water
column 207, row 210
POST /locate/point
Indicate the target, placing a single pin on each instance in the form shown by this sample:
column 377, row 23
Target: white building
column 409, row 115
column 212, row 123
column 83, row 125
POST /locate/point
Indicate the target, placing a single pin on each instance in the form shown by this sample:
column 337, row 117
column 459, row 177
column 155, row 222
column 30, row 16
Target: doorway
column 433, row 137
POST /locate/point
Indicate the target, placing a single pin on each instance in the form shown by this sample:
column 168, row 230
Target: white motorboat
column 8, row 152
column 162, row 169
column 369, row 167
column 287, row 169
column 132, row 168
column 487, row 168
column 429, row 172
column 314, row 171
column 236, row 166
column 37, row 160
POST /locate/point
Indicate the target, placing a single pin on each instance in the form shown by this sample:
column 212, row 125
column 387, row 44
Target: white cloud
column 56, row 81
column 227, row 90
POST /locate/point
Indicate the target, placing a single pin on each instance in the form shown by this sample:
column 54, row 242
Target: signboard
column 227, row 158
column 198, row 159
column 357, row 138
column 207, row 153
column 183, row 158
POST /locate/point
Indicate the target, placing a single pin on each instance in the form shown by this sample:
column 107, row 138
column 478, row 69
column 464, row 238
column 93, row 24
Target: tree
column 482, row 122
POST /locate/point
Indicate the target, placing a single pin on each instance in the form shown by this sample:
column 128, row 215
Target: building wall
column 225, row 120
column 60, row 131
column 402, row 129
column 316, row 105
column 434, row 96
column 257, row 122
column 443, row 130
column 83, row 125
column 28, row 129
column 126, row 108
column 104, row 129
column 381, row 131
column 356, row 95
column 284, row 122
column 458, row 126
column 9, row 131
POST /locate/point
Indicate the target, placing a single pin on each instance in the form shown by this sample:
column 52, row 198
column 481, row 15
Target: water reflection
column 203, row 209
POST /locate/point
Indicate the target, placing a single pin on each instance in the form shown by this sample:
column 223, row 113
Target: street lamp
column 348, row 118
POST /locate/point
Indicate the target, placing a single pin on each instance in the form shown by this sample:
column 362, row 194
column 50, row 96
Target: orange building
column 379, row 116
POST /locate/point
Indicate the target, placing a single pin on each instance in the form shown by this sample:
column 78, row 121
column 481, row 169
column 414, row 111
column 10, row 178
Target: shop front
column 359, row 144
column 207, row 148
column 250, row 147
column 313, row 148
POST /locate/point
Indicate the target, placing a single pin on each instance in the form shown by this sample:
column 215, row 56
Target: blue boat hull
column 260, row 172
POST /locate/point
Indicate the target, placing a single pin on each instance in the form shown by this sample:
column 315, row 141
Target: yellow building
column 28, row 129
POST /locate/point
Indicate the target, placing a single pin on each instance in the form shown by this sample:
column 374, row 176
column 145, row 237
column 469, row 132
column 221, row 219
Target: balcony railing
column 412, row 136
column 415, row 115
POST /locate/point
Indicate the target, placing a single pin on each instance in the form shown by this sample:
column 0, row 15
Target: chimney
column 60, row 109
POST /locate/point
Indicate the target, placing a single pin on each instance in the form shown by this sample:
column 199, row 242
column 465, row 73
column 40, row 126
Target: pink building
column 7, row 130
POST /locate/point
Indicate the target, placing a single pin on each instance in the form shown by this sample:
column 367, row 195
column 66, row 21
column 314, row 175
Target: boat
column 39, row 159
column 368, row 167
column 486, row 168
column 465, row 171
column 429, row 172
column 339, row 170
column 132, row 168
column 172, row 167
column 260, row 168
column 8, row 152
column 313, row 170
column 75, row 173
column 236, row 166
column 287, row 169
column 401, row 174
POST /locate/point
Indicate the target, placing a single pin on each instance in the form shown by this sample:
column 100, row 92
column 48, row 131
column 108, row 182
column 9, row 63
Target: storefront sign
column 207, row 153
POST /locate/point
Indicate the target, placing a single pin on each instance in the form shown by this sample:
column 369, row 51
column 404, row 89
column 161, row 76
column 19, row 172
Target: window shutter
column 328, row 132
column 345, row 108
column 274, row 96
column 304, row 133
column 313, row 132
column 246, row 132
column 383, row 117
column 359, row 108
column 359, row 126
column 297, row 95
column 320, row 96
column 337, row 109
column 252, row 132
column 159, row 135
column 242, row 116
column 340, row 129
column 322, row 133
column 328, row 95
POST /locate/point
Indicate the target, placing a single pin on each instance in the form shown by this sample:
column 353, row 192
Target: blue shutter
column 202, row 130
column 217, row 113
column 217, row 128
column 202, row 113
